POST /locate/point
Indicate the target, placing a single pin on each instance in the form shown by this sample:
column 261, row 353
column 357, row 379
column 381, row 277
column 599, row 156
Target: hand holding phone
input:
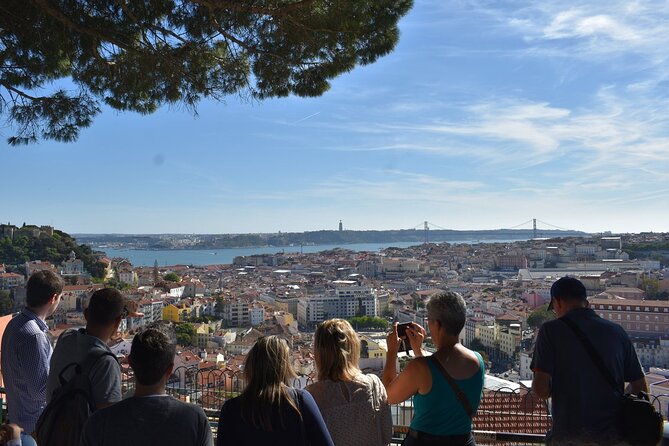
column 402, row 334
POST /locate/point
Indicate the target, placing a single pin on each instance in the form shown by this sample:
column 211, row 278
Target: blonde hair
column 268, row 374
column 337, row 349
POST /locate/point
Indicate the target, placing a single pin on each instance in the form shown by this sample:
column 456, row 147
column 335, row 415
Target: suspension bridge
column 426, row 226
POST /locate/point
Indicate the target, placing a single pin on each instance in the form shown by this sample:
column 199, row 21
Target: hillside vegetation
column 25, row 246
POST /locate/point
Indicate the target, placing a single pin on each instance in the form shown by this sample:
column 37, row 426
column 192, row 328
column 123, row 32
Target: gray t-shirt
column 75, row 346
column 150, row 420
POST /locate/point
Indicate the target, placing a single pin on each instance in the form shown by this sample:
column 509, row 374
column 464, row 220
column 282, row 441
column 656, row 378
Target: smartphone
column 402, row 329
column 402, row 334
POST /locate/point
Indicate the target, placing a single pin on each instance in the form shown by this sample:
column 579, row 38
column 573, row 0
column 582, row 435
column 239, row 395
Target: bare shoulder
column 466, row 362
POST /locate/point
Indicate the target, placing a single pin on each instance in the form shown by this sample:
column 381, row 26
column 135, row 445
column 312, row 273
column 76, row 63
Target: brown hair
column 268, row 372
column 41, row 287
column 337, row 349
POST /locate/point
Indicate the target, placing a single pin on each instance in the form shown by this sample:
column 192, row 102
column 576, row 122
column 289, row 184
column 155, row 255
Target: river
column 147, row 257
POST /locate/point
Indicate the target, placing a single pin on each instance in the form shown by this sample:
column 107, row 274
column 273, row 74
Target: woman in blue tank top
column 446, row 386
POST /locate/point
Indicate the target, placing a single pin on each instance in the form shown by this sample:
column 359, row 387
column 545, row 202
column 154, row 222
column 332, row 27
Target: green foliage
column 140, row 55
column 51, row 248
column 477, row 345
column 652, row 289
column 368, row 323
column 185, row 333
column 220, row 302
column 539, row 316
column 6, row 303
column 115, row 283
column 202, row 319
column 171, row 277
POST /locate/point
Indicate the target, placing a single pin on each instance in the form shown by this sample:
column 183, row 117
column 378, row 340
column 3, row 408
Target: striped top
column 26, row 351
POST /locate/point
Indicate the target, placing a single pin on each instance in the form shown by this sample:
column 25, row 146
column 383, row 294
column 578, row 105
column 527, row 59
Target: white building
column 345, row 303
column 73, row 266
column 128, row 276
column 256, row 315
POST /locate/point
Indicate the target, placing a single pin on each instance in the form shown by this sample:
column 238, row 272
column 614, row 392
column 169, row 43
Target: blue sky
column 486, row 115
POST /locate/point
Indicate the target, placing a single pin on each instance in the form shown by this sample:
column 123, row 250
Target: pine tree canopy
column 141, row 54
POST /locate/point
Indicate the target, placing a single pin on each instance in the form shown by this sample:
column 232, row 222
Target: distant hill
column 220, row 241
column 21, row 244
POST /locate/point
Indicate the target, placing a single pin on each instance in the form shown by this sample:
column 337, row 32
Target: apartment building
column 643, row 318
column 236, row 312
column 11, row 280
column 344, row 302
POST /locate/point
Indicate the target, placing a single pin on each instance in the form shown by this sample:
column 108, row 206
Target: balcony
column 505, row 417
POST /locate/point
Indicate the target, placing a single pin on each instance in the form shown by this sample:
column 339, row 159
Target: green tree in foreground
column 368, row 323
column 185, row 333
column 539, row 316
column 477, row 345
column 6, row 303
column 139, row 55
column 171, row 277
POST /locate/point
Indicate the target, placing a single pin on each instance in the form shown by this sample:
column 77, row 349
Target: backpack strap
column 85, row 367
column 459, row 394
column 592, row 352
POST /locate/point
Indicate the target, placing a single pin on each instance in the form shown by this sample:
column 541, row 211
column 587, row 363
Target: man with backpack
column 85, row 374
column 103, row 316
column 26, row 351
column 572, row 357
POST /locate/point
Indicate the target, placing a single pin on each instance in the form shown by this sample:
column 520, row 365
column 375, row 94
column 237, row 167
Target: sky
column 486, row 115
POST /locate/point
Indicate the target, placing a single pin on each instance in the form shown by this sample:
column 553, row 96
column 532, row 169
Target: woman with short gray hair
column 447, row 385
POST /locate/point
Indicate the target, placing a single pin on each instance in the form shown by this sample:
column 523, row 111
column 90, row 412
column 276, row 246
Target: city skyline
column 485, row 116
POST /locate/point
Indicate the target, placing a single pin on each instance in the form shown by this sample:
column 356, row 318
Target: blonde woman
column 269, row 411
column 354, row 405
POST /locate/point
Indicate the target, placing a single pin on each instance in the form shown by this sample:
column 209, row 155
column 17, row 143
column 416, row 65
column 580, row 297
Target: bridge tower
column 426, row 229
column 534, row 228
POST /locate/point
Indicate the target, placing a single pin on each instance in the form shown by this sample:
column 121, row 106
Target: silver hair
column 449, row 309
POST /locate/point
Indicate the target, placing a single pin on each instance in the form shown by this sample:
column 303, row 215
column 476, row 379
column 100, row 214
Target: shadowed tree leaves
column 140, row 55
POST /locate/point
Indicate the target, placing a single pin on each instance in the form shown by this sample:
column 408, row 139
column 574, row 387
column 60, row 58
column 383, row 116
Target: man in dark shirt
column 585, row 407
column 150, row 416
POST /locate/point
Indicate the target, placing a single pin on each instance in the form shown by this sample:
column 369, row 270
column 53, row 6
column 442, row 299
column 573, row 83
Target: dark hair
column 449, row 309
column 568, row 288
column 105, row 306
column 268, row 372
column 152, row 353
column 41, row 287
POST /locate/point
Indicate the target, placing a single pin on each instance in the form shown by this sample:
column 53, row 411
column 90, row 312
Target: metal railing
column 505, row 416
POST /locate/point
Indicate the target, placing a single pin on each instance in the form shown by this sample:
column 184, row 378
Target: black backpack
column 72, row 404
column 642, row 423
